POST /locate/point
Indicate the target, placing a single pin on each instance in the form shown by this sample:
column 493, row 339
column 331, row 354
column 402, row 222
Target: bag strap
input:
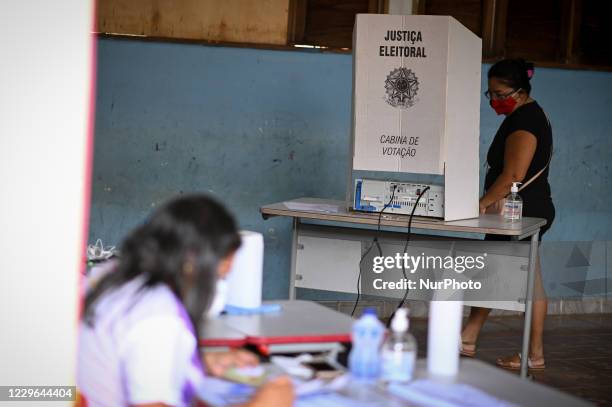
column 525, row 184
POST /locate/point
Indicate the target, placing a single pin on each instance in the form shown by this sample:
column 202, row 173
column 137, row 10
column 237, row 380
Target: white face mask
column 218, row 303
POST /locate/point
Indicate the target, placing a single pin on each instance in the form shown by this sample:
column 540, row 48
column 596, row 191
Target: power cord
column 409, row 231
column 374, row 242
column 97, row 251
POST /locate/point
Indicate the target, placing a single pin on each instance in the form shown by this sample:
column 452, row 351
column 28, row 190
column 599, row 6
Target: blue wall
column 258, row 126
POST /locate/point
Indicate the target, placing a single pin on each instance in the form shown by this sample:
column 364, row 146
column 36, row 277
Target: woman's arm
column 217, row 363
column 520, row 148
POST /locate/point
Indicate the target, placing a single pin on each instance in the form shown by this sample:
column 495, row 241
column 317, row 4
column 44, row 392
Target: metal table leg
column 533, row 252
column 294, row 247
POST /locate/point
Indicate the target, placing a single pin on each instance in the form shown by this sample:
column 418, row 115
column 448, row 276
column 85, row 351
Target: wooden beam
column 570, row 31
column 385, row 7
column 244, row 21
column 419, row 7
column 297, row 22
column 501, row 24
column 488, row 23
column 494, row 23
column 376, row 6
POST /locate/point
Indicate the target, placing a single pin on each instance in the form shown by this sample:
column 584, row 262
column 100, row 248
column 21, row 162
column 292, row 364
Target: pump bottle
column 513, row 206
column 398, row 351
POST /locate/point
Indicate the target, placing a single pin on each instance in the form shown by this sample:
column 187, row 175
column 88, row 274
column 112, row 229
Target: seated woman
column 138, row 342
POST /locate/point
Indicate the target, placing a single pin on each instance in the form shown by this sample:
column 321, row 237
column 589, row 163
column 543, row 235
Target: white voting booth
column 416, row 109
column 416, row 102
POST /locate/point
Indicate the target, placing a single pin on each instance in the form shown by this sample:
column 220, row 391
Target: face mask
column 503, row 106
column 218, row 303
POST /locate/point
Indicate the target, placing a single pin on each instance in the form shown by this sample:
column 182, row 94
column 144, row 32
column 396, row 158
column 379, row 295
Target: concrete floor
column 578, row 351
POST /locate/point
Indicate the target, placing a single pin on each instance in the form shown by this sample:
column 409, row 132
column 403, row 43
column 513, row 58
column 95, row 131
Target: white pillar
column 45, row 100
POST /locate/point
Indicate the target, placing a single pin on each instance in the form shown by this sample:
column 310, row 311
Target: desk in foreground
column 476, row 384
column 304, row 322
column 298, row 326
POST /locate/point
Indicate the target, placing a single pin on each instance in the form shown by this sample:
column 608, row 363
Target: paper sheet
column 220, row 393
column 311, row 207
column 336, row 400
column 342, row 391
column 429, row 393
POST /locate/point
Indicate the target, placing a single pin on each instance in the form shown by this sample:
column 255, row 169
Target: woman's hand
column 217, row 363
column 481, row 206
column 277, row 392
column 520, row 149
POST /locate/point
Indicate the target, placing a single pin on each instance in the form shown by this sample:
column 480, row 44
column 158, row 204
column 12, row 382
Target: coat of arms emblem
column 401, row 87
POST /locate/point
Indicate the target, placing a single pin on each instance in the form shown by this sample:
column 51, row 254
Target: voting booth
column 416, row 103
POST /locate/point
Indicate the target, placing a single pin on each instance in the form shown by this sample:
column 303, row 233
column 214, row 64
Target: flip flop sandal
column 469, row 353
column 514, row 363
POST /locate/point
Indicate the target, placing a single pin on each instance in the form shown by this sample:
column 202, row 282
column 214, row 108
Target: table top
column 495, row 382
column 507, row 386
column 336, row 211
column 216, row 333
column 296, row 322
column 305, row 321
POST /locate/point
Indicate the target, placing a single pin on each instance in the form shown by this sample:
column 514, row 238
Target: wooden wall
column 239, row 21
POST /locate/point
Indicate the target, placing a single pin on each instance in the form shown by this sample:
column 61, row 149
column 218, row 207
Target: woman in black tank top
column 521, row 148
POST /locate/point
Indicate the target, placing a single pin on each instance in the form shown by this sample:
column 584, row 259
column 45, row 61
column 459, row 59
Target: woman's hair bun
column 513, row 72
column 529, row 69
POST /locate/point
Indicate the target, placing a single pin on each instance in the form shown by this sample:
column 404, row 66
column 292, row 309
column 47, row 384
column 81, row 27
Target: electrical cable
column 401, row 304
column 374, row 242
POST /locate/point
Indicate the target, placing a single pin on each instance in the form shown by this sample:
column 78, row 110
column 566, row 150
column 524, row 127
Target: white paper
column 429, row 393
column 311, row 207
column 220, row 393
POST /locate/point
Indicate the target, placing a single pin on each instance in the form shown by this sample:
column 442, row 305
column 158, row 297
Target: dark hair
column 194, row 229
column 516, row 73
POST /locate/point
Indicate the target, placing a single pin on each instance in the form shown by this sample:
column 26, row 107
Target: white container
column 399, row 351
column 245, row 278
column 513, row 205
column 443, row 338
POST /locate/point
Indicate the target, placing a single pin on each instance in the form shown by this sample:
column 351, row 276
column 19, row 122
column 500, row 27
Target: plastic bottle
column 513, row 206
column 399, row 351
column 367, row 336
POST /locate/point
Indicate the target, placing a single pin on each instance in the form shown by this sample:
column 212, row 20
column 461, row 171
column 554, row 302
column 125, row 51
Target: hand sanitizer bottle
column 399, row 351
column 513, row 207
